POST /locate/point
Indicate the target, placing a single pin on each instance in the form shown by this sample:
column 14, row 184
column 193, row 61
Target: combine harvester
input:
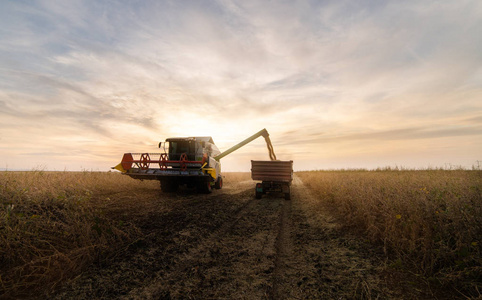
column 194, row 161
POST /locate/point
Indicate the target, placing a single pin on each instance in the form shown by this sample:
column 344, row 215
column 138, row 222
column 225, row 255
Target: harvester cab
column 193, row 149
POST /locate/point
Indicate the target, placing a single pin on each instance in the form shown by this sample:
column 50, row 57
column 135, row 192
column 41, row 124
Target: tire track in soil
column 235, row 261
column 187, row 262
column 283, row 254
column 181, row 265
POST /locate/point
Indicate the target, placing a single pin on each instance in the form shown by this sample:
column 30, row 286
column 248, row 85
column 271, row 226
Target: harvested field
column 139, row 243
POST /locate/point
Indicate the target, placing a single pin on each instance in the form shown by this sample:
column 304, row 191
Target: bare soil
column 228, row 245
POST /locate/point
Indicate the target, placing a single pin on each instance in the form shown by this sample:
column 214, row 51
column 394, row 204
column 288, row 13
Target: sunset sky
column 338, row 84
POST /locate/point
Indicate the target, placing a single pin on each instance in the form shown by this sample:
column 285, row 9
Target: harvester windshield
column 194, row 147
column 178, row 147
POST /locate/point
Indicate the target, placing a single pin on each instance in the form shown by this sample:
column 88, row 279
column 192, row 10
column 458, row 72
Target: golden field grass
column 51, row 227
column 428, row 222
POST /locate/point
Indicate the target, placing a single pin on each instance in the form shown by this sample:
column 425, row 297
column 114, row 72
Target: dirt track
column 230, row 245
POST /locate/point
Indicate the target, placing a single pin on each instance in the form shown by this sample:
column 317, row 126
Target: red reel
column 145, row 161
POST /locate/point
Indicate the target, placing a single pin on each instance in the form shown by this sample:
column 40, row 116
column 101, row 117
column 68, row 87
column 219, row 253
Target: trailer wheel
column 258, row 195
column 287, row 196
column 219, row 183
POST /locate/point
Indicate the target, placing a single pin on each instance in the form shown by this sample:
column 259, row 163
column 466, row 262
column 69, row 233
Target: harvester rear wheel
column 219, row 183
column 205, row 187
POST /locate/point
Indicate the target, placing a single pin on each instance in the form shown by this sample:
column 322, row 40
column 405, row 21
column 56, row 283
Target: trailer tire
column 219, row 183
column 287, row 196
column 258, row 195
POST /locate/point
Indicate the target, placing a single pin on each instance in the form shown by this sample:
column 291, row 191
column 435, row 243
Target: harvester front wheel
column 219, row 183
